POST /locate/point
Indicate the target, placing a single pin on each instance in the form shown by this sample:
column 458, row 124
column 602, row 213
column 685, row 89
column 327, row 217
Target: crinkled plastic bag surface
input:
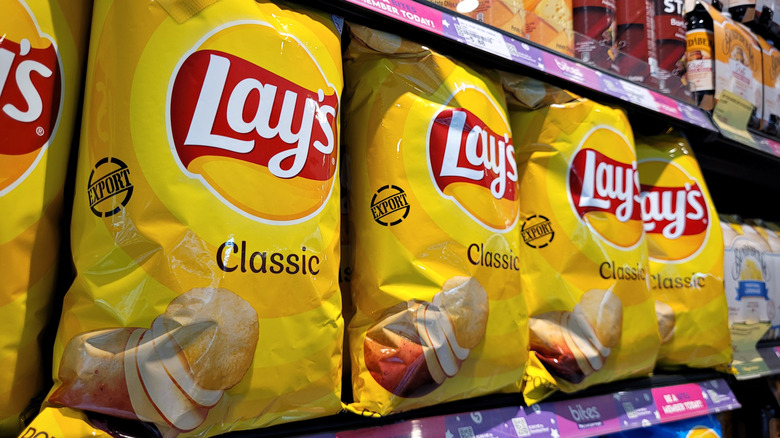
column 584, row 259
column 43, row 45
column 206, row 219
column 685, row 246
column 439, row 311
column 770, row 231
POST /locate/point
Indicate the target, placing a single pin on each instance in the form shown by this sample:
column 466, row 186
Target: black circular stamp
column 389, row 206
column 537, row 231
column 109, row 188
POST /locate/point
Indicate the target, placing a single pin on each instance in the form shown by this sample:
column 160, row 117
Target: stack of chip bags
column 440, row 315
column 43, row 46
column 206, row 218
column 685, row 246
column 584, row 259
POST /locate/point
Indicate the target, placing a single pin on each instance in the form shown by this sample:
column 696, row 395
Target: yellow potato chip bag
column 206, row 218
column 685, row 246
column 439, row 311
column 584, row 259
column 43, row 45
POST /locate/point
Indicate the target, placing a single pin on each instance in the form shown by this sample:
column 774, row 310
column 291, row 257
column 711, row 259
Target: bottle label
column 700, row 61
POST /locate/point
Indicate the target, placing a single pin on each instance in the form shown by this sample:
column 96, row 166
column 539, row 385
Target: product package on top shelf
column 594, row 28
column 549, row 23
column 636, row 58
column 685, row 247
column 440, row 314
column 507, row 15
column 584, row 263
column 771, row 86
column 736, row 62
column 206, row 219
column 43, row 45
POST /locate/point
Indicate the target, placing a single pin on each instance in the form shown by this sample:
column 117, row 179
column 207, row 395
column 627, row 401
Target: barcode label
column 466, row 432
column 629, row 408
column 482, row 38
column 521, row 427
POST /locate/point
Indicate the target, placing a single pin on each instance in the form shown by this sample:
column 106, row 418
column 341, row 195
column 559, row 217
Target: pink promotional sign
column 667, row 105
column 680, row 401
column 407, row 11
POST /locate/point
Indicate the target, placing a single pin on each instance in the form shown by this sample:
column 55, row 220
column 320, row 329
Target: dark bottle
column 699, row 54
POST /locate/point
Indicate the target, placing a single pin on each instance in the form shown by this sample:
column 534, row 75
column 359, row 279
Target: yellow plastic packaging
column 42, row 51
column 685, row 246
column 439, row 311
column 584, row 258
column 206, row 218
column 64, row 422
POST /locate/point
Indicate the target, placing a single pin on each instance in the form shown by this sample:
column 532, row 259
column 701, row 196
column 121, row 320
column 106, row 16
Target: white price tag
column 482, row 37
column 640, row 95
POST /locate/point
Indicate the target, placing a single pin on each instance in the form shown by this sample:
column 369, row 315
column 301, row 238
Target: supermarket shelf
column 451, row 32
column 623, row 405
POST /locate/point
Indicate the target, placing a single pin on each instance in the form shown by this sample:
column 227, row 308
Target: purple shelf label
column 636, row 409
column 406, row 11
column 525, row 54
column 612, row 86
column 493, row 423
column 696, row 116
column 680, row 401
column 571, row 71
column 587, row 416
column 719, row 396
column 424, row 427
column 538, row 420
column 475, row 35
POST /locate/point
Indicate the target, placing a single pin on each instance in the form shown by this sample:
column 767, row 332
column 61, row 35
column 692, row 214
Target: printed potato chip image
column 584, row 260
column 439, row 312
column 206, row 219
column 686, row 254
column 169, row 374
column 431, row 340
column 43, row 48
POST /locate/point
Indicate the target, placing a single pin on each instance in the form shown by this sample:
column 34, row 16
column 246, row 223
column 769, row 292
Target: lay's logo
column 674, row 210
column 604, row 187
column 234, row 123
column 30, row 93
column 473, row 165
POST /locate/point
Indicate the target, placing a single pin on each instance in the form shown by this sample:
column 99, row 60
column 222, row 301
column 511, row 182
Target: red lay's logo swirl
column 30, row 93
column 236, row 124
column 473, row 165
column 604, row 187
column 674, row 210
